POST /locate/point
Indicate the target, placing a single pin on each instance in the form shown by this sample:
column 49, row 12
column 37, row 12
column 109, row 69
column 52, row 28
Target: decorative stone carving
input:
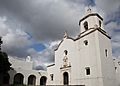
column 65, row 61
column 28, row 59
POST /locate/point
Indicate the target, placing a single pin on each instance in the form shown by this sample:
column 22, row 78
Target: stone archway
column 43, row 80
column 6, row 78
column 32, row 80
column 65, row 78
column 18, row 78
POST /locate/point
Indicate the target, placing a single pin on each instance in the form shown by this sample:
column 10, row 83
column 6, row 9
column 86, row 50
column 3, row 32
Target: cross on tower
column 88, row 10
column 1, row 42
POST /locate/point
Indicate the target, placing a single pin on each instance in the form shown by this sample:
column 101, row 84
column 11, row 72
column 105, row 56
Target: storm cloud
column 44, row 20
column 26, row 22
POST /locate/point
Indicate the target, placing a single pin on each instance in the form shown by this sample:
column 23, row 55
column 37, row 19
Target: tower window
column 66, row 52
column 99, row 23
column 115, row 68
column 87, row 70
column 106, row 52
column 51, row 75
column 86, row 25
column 86, row 42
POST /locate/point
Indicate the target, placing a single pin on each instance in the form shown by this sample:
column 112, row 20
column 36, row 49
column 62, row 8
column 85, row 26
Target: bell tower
column 95, row 51
column 90, row 20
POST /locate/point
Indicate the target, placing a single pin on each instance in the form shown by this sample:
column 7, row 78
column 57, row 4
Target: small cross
column 65, row 34
column 88, row 10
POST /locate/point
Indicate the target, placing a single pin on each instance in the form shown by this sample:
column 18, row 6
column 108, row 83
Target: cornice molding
column 93, row 14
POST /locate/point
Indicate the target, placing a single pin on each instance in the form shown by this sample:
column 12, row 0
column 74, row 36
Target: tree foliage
column 4, row 63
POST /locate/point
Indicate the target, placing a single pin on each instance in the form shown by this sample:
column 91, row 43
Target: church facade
column 86, row 60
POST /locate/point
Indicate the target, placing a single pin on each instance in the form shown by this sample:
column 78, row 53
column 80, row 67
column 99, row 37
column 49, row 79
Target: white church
column 86, row 60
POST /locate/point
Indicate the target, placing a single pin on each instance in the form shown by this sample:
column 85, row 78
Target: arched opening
column 31, row 80
column 99, row 23
column 18, row 78
column 43, row 80
column 6, row 78
column 66, row 52
column 65, row 78
column 106, row 52
column 86, row 25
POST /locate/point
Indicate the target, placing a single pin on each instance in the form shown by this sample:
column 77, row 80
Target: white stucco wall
column 107, row 65
column 51, row 70
column 88, row 58
column 59, row 55
column 24, row 68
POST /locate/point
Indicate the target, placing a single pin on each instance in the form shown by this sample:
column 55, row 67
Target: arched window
column 99, row 23
column 106, row 52
column 66, row 52
column 18, row 78
column 31, row 80
column 43, row 80
column 86, row 25
column 65, row 78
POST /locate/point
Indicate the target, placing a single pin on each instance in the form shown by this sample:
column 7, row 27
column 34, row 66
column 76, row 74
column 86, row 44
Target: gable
column 63, row 41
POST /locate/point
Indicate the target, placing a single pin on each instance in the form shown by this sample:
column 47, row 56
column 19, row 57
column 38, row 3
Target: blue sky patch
column 38, row 46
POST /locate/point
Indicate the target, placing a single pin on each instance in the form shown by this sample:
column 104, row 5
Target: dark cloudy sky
column 34, row 27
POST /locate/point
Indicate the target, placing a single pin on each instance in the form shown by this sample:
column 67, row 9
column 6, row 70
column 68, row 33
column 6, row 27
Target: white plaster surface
column 80, row 56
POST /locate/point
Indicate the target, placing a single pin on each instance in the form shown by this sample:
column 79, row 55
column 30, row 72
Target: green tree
column 4, row 66
column 4, row 63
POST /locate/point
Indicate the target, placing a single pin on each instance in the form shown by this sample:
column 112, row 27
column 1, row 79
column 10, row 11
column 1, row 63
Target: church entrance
column 18, row 78
column 31, row 80
column 43, row 80
column 65, row 78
